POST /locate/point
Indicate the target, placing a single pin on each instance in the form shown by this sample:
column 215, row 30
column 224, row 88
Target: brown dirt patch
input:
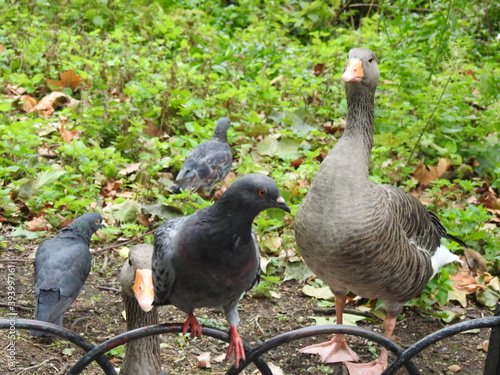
column 97, row 316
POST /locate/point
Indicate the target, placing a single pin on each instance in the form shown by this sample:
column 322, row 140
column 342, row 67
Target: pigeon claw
column 236, row 346
column 192, row 323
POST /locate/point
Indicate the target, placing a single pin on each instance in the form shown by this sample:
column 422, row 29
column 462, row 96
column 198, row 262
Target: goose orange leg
column 380, row 364
column 336, row 349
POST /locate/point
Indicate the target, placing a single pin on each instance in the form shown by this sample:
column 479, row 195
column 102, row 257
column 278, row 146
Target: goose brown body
column 376, row 241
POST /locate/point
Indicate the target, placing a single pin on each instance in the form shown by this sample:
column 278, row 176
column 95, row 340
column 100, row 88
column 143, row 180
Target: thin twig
column 428, row 122
column 135, row 239
column 332, row 311
column 17, row 306
column 17, row 260
column 38, row 365
column 104, row 264
column 109, row 288
column 62, row 371
column 76, row 321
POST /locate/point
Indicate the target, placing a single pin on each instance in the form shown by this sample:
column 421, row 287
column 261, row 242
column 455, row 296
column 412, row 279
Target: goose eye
column 261, row 192
column 370, row 60
column 130, row 262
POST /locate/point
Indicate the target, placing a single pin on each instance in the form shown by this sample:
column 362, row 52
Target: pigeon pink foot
column 192, row 322
column 335, row 350
column 236, row 346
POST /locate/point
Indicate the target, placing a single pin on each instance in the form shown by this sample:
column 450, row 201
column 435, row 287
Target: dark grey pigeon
column 208, row 163
column 62, row 265
column 210, row 258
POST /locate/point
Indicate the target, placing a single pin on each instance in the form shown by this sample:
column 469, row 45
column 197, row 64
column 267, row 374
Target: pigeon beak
column 143, row 289
column 282, row 204
column 353, row 71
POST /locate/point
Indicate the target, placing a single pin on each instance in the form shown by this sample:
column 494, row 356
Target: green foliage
column 155, row 76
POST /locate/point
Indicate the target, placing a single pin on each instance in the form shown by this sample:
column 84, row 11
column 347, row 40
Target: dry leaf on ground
column 425, row 174
column 47, row 105
column 204, row 360
column 68, row 79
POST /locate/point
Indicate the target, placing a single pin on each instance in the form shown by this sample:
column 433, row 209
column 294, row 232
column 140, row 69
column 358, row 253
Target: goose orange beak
column 143, row 289
column 353, row 71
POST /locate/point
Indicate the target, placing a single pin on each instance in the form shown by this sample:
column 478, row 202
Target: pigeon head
column 254, row 193
column 87, row 224
column 361, row 70
column 220, row 132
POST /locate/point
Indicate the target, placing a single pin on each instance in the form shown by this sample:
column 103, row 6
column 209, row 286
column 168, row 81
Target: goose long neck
column 143, row 355
column 360, row 117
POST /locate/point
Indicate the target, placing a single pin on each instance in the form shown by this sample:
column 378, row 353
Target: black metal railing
column 254, row 353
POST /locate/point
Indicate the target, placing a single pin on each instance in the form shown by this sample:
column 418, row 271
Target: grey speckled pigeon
column 376, row 241
column 62, row 265
column 208, row 163
column 142, row 356
column 210, row 258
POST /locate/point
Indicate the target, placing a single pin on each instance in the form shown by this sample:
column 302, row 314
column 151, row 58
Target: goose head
column 361, row 71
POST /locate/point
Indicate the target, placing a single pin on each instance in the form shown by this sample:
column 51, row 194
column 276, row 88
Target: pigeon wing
column 209, row 163
column 61, row 268
column 164, row 250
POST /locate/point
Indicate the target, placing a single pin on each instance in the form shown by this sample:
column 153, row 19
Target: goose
column 208, row 164
column 374, row 240
column 142, row 356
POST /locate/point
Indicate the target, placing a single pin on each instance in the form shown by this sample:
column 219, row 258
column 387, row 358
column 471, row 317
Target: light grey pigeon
column 208, row 164
column 62, row 265
column 210, row 258
column 142, row 356
column 376, row 241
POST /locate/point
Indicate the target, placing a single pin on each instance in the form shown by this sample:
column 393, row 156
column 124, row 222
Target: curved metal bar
column 157, row 329
column 301, row 333
column 59, row 332
column 428, row 340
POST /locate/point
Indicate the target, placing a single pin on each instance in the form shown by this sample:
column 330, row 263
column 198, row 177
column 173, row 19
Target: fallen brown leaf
column 425, row 174
column 38, row 224
column 46, row 106
column 475, row 261
column 489, row 198
column 150, row 129
column 483, row 346
column 276, row 370
column 28, row 103
column 67, row 79
column 464, row 282
column 319, row 69
column 67, row 135
column 204, row 360
column 130, row 169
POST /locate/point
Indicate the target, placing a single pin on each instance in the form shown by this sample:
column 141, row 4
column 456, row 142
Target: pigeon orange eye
column 97, row 221
column 261, row 192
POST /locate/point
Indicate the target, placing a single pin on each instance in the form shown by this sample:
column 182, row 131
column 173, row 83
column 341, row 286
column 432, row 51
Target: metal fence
column 254, row 353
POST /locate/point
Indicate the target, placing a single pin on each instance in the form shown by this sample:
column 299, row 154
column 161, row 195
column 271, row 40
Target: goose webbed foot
column 335, row 350
column 372, row 368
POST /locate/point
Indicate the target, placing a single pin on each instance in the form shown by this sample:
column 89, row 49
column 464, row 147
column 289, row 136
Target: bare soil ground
column 97, row 316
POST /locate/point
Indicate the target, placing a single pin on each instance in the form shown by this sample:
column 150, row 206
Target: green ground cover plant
column 142, row 83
